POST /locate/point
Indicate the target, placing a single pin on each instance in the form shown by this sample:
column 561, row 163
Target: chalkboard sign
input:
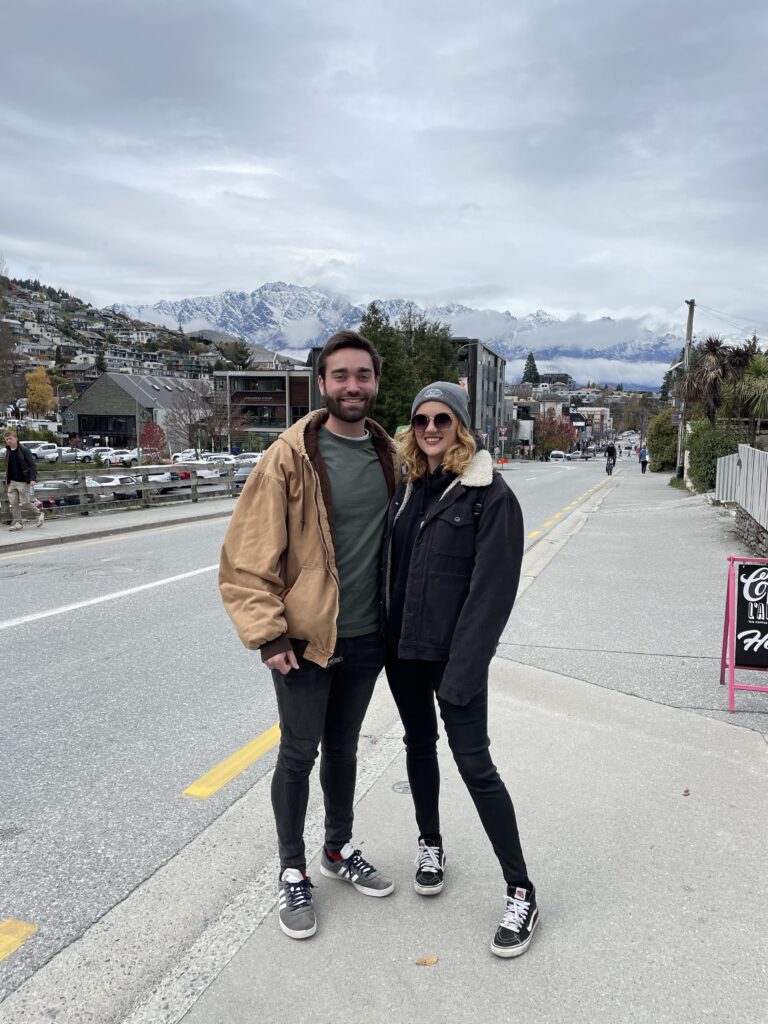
column 752, row 616
column 745, row 630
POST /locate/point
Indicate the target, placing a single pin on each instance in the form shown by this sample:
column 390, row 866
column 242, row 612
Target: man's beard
column 342, row 412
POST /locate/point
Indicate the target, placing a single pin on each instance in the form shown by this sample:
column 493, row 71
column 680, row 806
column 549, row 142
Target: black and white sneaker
column 430, row 865
column 297, row 915
column 514, row 934
column 353, row 868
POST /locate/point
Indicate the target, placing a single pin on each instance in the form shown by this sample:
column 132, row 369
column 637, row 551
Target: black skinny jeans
column 321, row 706
column 414, row 685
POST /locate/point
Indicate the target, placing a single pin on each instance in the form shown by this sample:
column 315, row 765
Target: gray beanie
column 452, row 395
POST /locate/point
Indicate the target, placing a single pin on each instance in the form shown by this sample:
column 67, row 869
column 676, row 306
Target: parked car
column 252, row 457
column 45, row 450
column 99, row 452
column 67, row 454
column 223, row 458
column 557, row 456
column 122, row 487
column 121, row 457
column 188, row 455
column 240, row 475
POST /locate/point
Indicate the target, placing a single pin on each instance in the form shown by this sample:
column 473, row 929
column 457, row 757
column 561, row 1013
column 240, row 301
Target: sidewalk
column 644, row 824
column 63, row 529
column 641, row 804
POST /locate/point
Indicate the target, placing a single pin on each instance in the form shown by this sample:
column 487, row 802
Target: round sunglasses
column 420, row 422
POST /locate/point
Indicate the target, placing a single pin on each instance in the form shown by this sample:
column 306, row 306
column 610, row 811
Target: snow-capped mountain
column 282, row 316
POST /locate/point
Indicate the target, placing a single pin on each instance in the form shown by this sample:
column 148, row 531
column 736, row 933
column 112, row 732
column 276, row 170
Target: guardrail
column 80, row 492
column 743, row 478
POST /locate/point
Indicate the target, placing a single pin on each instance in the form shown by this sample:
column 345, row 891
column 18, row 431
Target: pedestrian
column 299, row 576
column 644, row 458
column 452, row 562
column 20, row 476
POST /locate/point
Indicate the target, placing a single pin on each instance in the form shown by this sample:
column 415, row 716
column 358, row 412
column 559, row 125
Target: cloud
column 603, row 158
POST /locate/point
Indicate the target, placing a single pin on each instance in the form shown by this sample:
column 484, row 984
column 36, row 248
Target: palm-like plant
column 706, row 377
column 754, row 387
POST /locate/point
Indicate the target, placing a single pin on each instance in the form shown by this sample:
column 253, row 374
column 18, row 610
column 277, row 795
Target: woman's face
column 435, row 438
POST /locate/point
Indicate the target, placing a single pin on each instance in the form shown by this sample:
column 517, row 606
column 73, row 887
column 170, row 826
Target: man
column 610, row 457
column 299, row 578
column 20, row 474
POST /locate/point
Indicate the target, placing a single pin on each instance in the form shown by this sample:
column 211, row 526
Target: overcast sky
column 594, row 156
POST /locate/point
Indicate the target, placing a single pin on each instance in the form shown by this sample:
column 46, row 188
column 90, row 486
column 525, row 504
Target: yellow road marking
column 13, row 934
column 233, row 765
column 557, row 515
column 549, row 522
column 535, row 533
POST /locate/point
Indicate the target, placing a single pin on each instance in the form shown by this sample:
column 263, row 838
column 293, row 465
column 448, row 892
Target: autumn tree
column 40, row 396
column 552, row 433
column 154, row 445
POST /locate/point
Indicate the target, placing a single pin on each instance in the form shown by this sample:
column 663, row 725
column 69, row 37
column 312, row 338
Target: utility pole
column 691, row 304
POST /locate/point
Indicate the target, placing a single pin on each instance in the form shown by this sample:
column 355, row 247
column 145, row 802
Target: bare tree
column 185, row 421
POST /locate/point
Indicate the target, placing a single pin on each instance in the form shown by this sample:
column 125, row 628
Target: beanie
column 452, row 395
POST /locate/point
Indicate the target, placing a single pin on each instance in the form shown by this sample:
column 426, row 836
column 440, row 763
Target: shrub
column 706, row 444
column 662, row 442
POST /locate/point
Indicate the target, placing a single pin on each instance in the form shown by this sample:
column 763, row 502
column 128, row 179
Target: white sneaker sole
column 428, row 890
column 503, row 951
column 306, row 934
column 360, row 888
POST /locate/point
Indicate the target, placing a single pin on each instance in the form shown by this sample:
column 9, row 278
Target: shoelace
column 428, row 857
column 299, row 896
column 356, row 863
column 515, row 914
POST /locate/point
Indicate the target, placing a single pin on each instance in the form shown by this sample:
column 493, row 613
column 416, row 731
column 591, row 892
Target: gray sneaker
column 40, row 518
column 355, row 869
column 297, row 915
column 16, row 526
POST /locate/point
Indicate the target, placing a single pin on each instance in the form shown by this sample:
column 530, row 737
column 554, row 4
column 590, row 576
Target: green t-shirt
column 360, row 499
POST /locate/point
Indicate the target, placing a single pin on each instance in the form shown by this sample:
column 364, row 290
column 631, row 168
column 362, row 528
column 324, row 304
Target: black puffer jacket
column 463, row 577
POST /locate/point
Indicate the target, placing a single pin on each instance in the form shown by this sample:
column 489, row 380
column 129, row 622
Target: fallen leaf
column 426, row 961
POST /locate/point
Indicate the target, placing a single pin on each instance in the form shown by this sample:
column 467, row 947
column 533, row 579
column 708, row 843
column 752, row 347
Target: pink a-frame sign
column 745, row 630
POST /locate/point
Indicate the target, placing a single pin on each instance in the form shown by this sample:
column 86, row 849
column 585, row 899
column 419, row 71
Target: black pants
column 321, row 706
column 414, row 685
column 643, row 466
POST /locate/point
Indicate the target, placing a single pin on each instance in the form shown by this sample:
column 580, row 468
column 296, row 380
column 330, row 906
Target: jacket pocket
column 310, row 605
column 452, row 545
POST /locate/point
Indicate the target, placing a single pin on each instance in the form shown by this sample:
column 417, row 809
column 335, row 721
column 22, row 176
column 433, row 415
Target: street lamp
column 59, row 422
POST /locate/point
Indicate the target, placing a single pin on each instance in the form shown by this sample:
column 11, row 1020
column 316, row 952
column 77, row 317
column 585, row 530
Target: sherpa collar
column 479, row 473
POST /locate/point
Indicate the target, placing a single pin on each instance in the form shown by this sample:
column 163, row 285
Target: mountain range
column 282, row 317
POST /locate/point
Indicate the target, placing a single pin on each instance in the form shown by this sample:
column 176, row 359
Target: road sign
column 69, row 417
column 502, row 432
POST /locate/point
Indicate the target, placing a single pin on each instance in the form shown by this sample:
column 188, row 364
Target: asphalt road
column 124, row 683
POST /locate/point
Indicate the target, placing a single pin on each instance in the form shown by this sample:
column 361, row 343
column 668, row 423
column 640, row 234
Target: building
column 481, row 371
column 116, row 407
column 262, row 402
column 558, row 381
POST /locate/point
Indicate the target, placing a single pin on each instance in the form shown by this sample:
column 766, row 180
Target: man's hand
column 283, row 662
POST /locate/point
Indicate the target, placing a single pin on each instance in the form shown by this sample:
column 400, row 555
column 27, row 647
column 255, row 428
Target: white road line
column 106, row 597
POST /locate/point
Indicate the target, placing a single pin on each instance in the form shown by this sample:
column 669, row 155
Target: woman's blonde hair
column 456, row 460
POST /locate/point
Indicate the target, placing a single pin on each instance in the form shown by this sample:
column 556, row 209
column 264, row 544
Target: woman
column 644, row 458
column 451, row 567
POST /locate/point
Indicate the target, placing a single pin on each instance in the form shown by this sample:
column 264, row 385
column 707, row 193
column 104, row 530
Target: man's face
column 11, row 440
column 349, row 387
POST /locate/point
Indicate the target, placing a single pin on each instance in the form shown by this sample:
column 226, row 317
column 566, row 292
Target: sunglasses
column 420, row 422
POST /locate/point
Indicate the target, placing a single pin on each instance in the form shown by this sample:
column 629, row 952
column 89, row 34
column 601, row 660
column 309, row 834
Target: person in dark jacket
column 20, row 474
column 452, row 560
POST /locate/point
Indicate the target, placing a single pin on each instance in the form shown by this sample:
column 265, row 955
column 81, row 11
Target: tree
column 530, row 371
column 754, row 387
column 101, row 362
column 186, row 420
column 662, row 442
column 708, row 442
column 428, row 344
column 7, row 349
column 240, row 354
column 552, row 433
column 154, row 445
column 399, row 380
column 40, row 397
column 706, row 376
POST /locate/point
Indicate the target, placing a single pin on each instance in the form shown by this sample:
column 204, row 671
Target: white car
column 100, row 452
column 557, row 456
column 249, row 458
column 188, row 455
column 222, row 458
column 45, row 450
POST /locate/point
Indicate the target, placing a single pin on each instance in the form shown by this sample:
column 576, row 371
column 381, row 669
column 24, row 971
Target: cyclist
column 610, row 458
